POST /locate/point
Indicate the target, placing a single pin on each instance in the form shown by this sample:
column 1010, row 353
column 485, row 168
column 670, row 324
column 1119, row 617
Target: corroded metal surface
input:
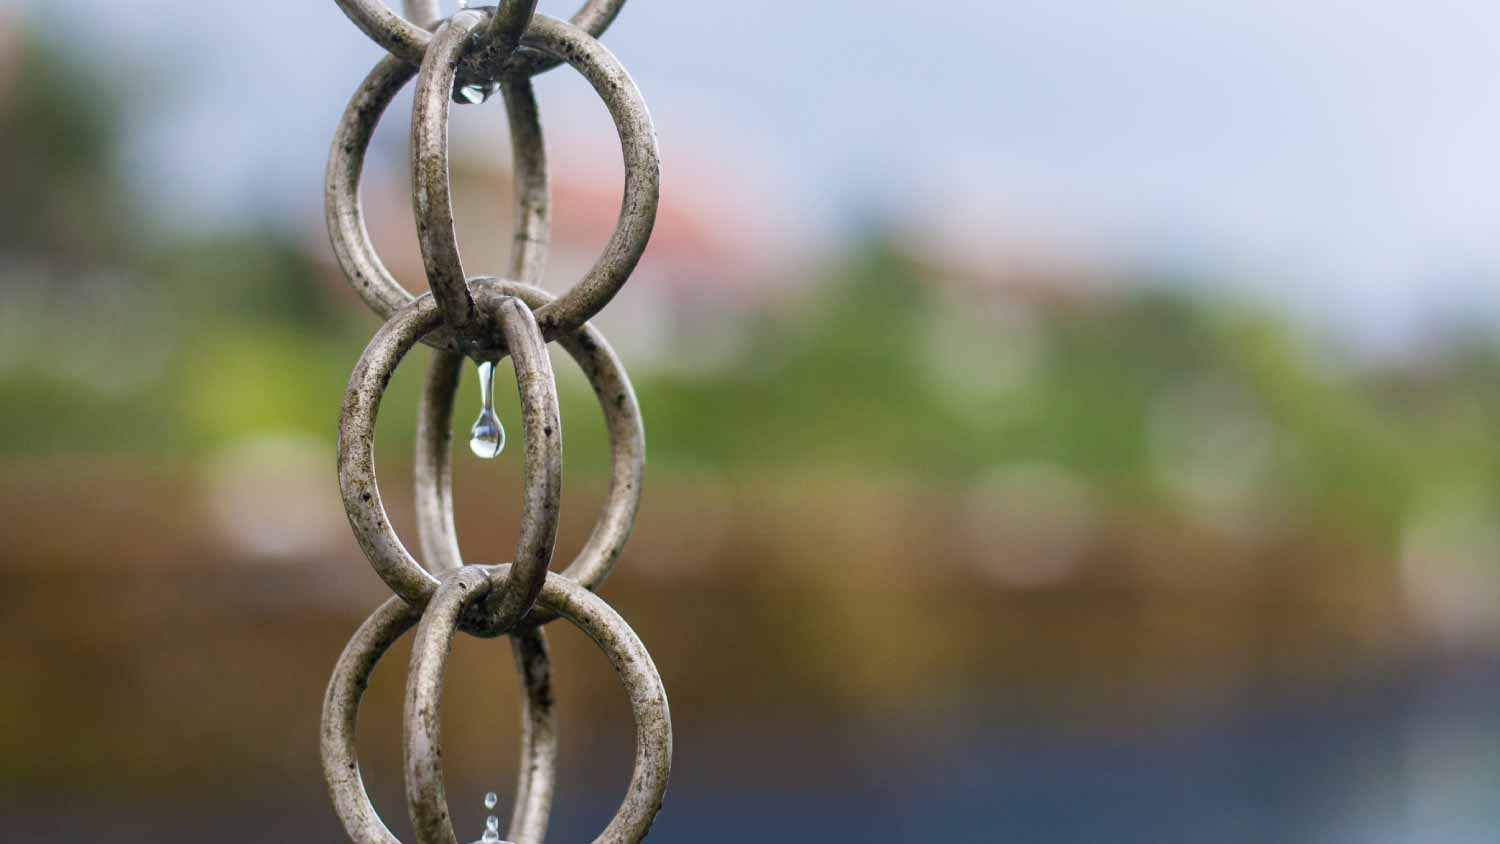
column 543, row 438
column 425, row 794
column 431, row 186
column 627, row 443
column 472, row 54
column 351, row 240
column 432, row 203
column 351, row 676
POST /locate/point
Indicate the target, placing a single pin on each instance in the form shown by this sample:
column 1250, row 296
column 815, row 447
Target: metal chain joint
column 466, row 58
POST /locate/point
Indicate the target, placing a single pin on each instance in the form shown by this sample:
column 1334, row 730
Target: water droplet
column 474, row 93
column 491, row 800
column 491, row 830
column 487, row 437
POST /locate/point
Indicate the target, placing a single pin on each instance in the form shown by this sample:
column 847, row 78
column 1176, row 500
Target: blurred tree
column 59, row 134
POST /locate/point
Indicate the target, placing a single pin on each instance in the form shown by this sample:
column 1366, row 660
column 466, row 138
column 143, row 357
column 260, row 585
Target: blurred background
column 1068, row 422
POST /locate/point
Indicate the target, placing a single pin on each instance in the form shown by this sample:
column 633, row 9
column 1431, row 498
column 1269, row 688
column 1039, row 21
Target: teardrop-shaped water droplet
column 487, row 436
column 474, row 93
column 491, row 800
column 491, row 830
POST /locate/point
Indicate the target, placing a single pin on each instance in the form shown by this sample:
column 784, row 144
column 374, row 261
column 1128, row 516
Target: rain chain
column 467, row 58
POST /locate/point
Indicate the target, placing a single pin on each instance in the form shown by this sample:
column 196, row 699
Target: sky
column 1335, row 156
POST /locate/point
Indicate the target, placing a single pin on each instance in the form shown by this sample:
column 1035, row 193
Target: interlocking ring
column 431, row 186
column 345, row 215
column 409, row 41
column 425, row 794
column 437, row 537
column 543, row 460
column 351, row 240
column 538, row 770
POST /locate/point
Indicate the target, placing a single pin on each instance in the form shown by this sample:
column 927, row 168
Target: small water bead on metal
column 487, row 436
column 474, row 93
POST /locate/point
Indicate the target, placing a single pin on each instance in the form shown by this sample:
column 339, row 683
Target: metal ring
column 431, row 185
column 543, row 462
column 351, row 241
column 436, row 534
column 425, row 794
column 345, row 214
column 351, row 675
column 408, row 41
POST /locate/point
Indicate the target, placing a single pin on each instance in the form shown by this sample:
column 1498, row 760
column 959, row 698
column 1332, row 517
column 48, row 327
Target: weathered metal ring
column 351, row 240
column 425, row 794
column 436, row 534
column 408, row 40
column 431, row 186
column 543, row 460
column 351, row 675
column 345, row 215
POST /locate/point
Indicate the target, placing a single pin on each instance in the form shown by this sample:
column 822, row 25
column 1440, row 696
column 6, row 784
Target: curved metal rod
column 537, row 776
column 528, row 257
column 432, row 200
column 374, row 283
column 532, row 214
column 509, row 21
column 351, row 675
column 627, row 448
column 497, row 42
column 343, row 207
column 436, row 535
column 543, row 463
column 426, row 796
column 542, row 492
column 344, row 211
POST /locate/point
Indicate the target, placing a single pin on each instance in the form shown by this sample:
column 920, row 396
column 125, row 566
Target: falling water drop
column 487, row 437
column 491, row 823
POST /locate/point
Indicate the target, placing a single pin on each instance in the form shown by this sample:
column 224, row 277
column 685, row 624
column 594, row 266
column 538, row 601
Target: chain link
column 485, row 319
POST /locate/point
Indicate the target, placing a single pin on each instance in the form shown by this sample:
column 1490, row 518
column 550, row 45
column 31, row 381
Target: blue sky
column 1337, row 156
